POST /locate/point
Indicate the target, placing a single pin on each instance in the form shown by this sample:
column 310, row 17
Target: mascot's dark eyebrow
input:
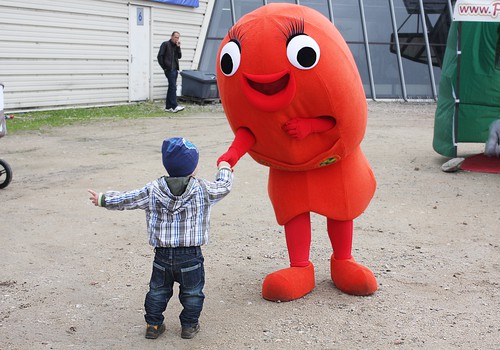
column 294, row 27
column 236, row 35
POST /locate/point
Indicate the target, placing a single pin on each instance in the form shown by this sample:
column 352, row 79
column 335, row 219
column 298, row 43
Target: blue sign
column 140, row 16
column 190, row 3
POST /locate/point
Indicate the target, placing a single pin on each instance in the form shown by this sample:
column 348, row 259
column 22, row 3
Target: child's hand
column 224, row 164
column 231, row 157
column 94, row 197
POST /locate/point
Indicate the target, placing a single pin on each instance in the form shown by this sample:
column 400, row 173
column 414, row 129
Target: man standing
column 168, row 58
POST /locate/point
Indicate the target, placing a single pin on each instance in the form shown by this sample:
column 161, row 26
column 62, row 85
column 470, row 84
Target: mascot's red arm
column 242, row 143
column 300, row 128
column 297, row 128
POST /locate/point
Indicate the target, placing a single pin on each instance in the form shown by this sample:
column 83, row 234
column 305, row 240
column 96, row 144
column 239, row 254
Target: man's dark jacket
column 168, row 56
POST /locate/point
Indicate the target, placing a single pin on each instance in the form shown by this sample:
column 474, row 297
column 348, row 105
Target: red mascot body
column 294, row 99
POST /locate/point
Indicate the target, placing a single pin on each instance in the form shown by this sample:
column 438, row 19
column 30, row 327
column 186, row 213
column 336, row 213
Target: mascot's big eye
column 230, row 58
column 303, row 51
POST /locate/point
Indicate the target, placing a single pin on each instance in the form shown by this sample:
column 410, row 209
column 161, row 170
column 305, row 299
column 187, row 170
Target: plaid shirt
column 175, row 221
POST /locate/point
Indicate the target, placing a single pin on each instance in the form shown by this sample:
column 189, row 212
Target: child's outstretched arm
column 115, row 200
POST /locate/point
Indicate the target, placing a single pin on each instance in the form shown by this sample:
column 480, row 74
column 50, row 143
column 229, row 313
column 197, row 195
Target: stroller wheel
column 5, row 174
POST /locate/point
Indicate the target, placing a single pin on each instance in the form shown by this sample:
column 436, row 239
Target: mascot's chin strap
column 243, row 142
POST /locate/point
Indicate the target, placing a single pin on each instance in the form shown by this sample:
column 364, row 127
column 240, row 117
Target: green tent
column 469, row 90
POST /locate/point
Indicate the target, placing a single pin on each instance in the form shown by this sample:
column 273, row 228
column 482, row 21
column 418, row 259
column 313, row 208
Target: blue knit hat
column 180, row 157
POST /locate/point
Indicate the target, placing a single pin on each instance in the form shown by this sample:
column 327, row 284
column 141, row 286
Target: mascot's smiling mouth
column 269, row 92
column 272, row 87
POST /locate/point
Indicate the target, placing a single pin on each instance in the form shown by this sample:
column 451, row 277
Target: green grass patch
column 43, row 120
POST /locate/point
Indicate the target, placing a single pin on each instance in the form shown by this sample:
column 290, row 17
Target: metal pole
column 367, row 50
column 233, row 12
column 330, row 11
column 457, row 89
column 428, row 49
column 400, row 61
column 450, row 8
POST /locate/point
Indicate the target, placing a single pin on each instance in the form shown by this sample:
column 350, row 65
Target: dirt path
column 75, row 276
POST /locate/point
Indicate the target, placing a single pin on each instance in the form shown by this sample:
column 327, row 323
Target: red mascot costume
column 295, row 102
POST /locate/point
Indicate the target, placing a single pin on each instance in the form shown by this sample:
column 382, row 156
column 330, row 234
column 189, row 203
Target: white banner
column 477, row 11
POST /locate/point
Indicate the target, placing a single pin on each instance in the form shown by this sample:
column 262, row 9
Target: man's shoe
column 153, row 332
column 178, row 108
column 171, row 110
column 190, row 332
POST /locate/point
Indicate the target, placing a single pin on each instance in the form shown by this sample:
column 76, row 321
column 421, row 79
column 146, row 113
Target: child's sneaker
column 153, row 332
column 190, row 332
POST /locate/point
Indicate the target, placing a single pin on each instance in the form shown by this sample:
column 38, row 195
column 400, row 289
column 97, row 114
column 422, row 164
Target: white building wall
column 56, row 54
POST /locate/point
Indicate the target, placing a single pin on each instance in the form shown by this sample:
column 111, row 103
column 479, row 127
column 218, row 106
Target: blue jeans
column 182, row 265
column 171, row 99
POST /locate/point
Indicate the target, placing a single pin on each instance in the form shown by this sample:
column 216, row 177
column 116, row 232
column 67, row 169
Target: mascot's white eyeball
column 230, row 58
column 303, row 52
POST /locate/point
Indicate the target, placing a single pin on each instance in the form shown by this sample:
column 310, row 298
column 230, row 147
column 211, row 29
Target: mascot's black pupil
column 226, row 64
column 306, row 56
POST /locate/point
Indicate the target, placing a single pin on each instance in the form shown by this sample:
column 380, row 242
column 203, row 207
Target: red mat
column 482, row 164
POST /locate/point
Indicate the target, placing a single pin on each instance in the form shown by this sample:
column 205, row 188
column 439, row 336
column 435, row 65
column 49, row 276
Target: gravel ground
column 75, row 276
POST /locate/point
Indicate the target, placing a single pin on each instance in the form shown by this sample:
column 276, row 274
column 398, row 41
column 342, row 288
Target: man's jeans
column 171, row 99
column 182, row 265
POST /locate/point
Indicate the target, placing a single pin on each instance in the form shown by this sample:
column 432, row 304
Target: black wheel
column 5, row 174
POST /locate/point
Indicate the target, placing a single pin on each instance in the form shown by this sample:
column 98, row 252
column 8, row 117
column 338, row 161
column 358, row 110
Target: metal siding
column 55, row 55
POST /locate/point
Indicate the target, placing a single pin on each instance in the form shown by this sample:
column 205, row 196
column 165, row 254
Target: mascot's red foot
column 288, row 284
column 352, row 278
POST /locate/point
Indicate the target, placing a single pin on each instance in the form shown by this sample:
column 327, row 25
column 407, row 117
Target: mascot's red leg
column 348, row 276
column 297, row 280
